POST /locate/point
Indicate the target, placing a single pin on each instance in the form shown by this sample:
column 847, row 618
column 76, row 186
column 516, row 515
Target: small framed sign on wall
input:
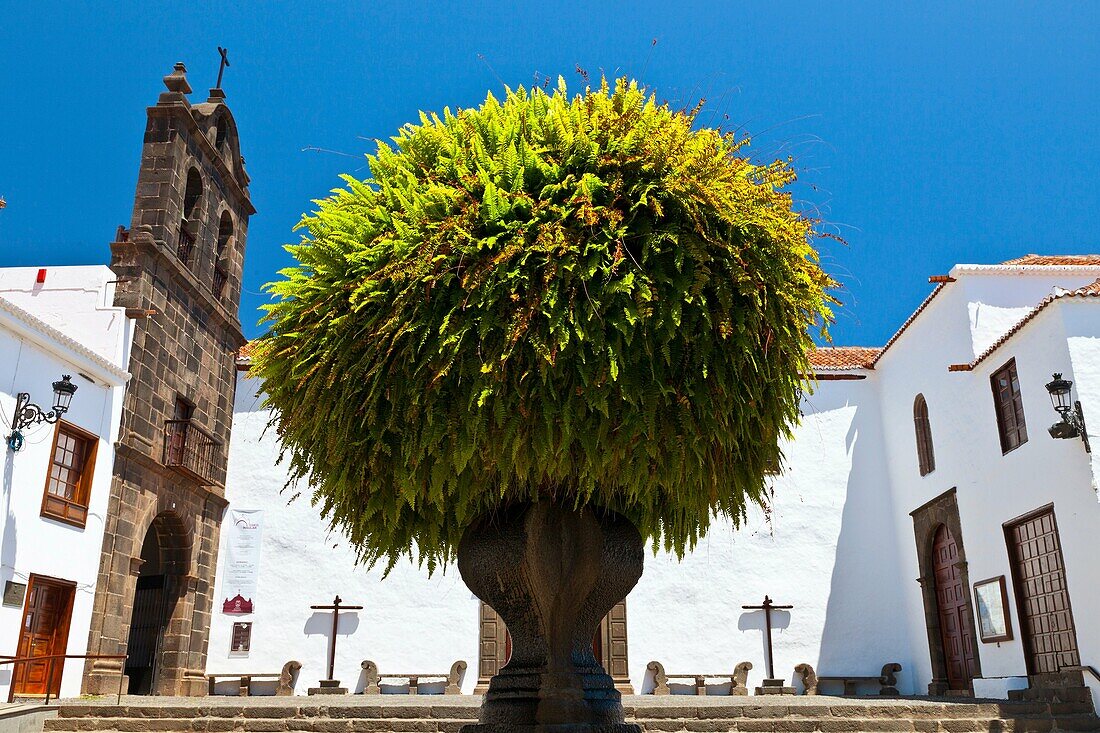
column 241, row 641
column 991, row 604
column 14, row 593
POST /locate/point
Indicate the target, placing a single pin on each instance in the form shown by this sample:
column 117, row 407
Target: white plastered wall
column 839, row 544
column 827, row 550
column 993, row 488
column 77, row 301
column 32, row 544
column 410, row 623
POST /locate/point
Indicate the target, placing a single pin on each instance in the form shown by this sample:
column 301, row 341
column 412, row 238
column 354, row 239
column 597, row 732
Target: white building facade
column 911, row 485
column 55, row 322
column 1020, row 505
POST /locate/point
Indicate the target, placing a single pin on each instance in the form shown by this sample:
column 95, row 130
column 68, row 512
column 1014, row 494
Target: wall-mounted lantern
column 27, row 413
column 1072, row 424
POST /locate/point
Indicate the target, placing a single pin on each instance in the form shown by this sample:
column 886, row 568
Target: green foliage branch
column 581, row 297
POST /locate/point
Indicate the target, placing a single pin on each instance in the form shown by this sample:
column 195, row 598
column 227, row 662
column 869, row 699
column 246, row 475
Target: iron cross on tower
column 767, row 608
column 335, row 608
column 221, row 66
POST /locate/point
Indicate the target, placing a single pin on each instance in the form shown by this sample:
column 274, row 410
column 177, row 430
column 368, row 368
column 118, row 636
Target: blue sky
column 927, row 134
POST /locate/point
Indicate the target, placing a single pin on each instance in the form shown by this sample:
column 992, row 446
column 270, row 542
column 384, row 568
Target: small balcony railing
column 191, row 450
column 186, row 244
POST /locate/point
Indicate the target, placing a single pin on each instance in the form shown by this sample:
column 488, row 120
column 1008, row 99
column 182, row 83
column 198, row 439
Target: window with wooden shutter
column 1010, row 407
column 925, row 456
column 69, row 479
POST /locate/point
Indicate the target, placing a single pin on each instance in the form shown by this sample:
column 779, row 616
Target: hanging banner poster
column 242, row 559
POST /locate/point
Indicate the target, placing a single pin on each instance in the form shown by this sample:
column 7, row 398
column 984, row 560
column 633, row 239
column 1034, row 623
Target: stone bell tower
column 179, row 269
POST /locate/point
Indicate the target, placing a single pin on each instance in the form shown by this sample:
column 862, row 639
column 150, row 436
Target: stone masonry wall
column 184, row 348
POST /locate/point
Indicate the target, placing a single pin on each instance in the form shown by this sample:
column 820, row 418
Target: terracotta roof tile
column 1030, row 259
column 1092, row 290
column 1056, row 260
column 827, row 358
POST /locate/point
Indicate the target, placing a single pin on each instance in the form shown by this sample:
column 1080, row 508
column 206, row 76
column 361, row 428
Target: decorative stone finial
column 141, row 233
column 216, row 95
column 177, row 80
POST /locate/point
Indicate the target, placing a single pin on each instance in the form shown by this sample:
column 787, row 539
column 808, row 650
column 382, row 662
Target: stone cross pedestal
column 328, row 687
column 332, row 686
column 770, row 685
column 774, row 687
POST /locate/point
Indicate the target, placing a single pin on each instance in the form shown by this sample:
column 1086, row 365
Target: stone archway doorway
column 945, row 584
column 160, row 581
column 609, row 645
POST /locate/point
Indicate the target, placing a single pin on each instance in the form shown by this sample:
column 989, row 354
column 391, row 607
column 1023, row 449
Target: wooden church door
column 954, row 611
column 1039, row 576
column 45, row 632
column 609, row 645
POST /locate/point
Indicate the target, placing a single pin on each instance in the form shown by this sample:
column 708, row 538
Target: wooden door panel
column 1046, row 620
column 609, row 645
column 953, row 601
column 45, row 632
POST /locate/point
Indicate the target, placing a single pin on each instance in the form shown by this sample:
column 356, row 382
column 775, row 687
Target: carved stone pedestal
column 328, row 687
column 774, row 687
column 551, row 573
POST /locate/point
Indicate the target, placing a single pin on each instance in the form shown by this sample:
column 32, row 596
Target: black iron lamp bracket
column 27, row 413
column 1078, row 421
column 1072, row 425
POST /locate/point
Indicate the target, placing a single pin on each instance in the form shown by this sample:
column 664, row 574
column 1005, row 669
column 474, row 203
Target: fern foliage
column 584, row 297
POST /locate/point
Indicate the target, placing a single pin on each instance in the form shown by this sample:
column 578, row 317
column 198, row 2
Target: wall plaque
column 14, row 593
column 991, row 603
column 242, row 639
column 237, row 605
column 242, row 532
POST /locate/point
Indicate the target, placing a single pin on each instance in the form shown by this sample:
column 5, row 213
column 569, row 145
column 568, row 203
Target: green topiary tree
column 585, row 298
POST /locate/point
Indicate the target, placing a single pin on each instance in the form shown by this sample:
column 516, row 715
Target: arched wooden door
column 953, row 600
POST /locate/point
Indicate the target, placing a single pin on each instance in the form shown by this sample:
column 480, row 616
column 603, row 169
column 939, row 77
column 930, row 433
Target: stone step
column 1042, row 724
column 662, row 715
column 922, row 709
column 1052, row 694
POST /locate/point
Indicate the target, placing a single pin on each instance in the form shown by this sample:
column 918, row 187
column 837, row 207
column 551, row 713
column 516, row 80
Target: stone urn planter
column 552, row 573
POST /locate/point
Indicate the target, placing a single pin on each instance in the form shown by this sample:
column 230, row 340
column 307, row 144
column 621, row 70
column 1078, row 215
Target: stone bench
column 284, row 686
column 452, row 680
column 738, row 679
column 887, row 680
